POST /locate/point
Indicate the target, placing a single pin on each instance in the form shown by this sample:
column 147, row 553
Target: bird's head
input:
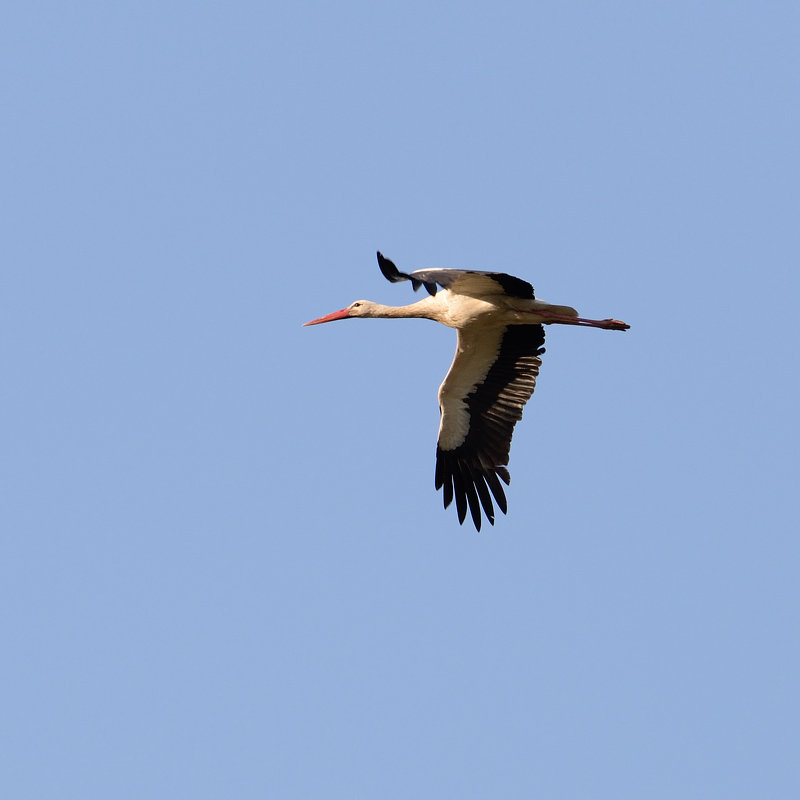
column 361, row 308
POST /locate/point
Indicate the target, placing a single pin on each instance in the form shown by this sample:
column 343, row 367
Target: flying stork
column 493, row 374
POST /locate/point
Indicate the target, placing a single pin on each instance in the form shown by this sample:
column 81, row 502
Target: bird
column 500, row 341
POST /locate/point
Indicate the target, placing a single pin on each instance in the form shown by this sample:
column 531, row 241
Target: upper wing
column 461, row 281
column 491, row 378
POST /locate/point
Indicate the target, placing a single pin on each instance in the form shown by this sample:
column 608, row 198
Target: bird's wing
column 461, row 281
column 491, row 378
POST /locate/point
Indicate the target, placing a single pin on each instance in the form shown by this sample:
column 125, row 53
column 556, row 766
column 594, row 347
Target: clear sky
column 224, row 570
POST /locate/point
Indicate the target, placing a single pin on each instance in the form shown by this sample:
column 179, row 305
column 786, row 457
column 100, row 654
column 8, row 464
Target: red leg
column 607, row 324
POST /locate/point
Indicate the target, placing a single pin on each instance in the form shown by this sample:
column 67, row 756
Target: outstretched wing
column 461, row 281
column 491, row 378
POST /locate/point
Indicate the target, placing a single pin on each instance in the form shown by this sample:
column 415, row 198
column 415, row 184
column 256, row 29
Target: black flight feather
column 495, row 406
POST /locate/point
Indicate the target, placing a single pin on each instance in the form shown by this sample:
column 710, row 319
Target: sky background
column 224, row 570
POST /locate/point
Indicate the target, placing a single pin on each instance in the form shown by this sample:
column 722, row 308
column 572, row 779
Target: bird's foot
column 614, row 325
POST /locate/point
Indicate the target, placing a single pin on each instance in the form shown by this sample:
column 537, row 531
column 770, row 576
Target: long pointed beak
column 343, row 314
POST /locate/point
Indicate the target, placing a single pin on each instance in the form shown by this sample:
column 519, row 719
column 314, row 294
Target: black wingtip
column 471, row 485
column 391, row 273
column 389, row 270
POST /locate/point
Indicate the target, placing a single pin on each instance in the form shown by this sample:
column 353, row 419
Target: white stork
column 493, row 374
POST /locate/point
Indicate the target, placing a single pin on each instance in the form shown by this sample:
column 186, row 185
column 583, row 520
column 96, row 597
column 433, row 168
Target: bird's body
column 462, row 311
column 493, row 374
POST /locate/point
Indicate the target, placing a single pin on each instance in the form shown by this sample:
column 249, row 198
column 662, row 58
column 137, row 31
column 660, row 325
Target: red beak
column 343, row 314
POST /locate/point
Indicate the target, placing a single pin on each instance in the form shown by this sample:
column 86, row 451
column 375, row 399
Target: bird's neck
column 427, row 308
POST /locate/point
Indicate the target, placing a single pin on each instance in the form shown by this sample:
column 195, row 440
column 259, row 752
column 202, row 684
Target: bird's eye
column 355, row 305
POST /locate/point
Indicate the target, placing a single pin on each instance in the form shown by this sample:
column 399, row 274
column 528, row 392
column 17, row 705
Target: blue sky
column 225, row 571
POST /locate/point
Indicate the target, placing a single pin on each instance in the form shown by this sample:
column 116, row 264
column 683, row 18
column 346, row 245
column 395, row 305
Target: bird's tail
column 561, row 311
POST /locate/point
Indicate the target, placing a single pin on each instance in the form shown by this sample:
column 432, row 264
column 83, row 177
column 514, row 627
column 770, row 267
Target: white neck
column 427, row 308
